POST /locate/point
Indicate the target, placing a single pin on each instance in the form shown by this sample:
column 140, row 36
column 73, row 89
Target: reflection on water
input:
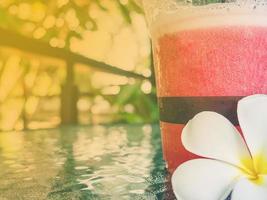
column 101, row 162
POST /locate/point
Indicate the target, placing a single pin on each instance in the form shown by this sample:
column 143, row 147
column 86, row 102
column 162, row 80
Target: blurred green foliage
column 144, row 105
column 33, row 99
column 204, row 2
column 26, row 16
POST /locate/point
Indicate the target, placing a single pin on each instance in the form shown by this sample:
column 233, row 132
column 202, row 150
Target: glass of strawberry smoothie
column 208, row 55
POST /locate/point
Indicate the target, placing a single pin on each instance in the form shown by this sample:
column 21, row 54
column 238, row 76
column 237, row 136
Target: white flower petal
column 247, row 190
column 252, row 115
column 211, row 135
column 204, row 179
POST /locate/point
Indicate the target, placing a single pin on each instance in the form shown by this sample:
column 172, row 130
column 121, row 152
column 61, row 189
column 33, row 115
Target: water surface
column 98, row 162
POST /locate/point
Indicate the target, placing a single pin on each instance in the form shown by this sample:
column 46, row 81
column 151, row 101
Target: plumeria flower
column 232, row 163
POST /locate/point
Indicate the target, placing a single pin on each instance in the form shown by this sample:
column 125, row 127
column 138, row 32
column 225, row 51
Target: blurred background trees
column 110, row 31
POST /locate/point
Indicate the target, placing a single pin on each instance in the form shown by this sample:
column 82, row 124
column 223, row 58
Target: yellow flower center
column 255, row 168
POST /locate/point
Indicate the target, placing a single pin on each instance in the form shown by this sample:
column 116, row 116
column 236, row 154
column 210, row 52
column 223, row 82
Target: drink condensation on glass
column 208, row 55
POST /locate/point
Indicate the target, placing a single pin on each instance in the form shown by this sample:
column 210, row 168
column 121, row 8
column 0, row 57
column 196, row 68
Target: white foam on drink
column 213, row 15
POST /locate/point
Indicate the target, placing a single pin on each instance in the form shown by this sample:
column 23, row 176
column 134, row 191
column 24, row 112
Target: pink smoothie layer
column 214, row 61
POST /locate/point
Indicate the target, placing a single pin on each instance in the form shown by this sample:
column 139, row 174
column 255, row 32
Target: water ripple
column 101, row 162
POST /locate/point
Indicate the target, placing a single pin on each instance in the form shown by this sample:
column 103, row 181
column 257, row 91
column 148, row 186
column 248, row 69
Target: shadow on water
column 160, row 176
column 65, row 185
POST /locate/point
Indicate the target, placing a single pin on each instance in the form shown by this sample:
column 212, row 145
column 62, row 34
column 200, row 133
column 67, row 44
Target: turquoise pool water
column 99, row 162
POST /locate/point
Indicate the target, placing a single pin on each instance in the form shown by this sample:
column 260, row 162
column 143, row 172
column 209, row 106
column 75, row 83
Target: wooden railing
column 69, row 94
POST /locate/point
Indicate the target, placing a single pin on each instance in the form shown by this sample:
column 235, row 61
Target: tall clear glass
column 208, row 54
